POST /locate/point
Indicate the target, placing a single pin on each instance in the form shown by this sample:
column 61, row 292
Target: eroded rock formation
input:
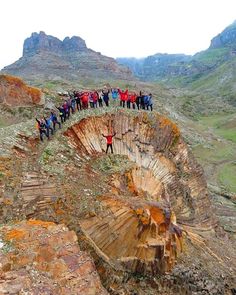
column 42, row 42
column 37, row 194
column 141, row 236
column 127, row 209
column 166, row 168
column 166, row 182
column 40, row 257
column 227, row 38
column 14, row 92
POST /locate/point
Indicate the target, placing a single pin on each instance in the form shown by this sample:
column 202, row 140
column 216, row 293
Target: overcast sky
column 116, row 28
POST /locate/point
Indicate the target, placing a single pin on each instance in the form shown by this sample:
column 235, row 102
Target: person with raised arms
column 109, row 139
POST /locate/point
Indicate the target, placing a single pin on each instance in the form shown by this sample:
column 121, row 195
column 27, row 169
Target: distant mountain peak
column 39, row 42
column 46, row 57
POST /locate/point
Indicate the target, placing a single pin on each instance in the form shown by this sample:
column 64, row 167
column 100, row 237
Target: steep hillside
column 221, row 81
column 48, row 58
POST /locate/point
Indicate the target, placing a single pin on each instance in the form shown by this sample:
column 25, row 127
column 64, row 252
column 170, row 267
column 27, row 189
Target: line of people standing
column 82, row 100
column 94, row 99
column 132, row 100
column 47, row 125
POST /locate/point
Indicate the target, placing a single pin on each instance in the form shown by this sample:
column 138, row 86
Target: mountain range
column 212, row 70
column 163, row 66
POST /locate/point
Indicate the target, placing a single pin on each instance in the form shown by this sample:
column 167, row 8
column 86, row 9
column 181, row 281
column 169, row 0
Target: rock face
column 167, row 188
column 14, row 92
column 42, row 42
column 162, row 158
column 74, row 44
column 40, row 257
column 37, row 193
column 141, row 236
column 48, row 58
column 227, row 38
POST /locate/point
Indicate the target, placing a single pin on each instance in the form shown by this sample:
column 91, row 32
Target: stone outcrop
column 74, row 43
column 40, row 257
column 14, row 92
column 140, row 236
column 166, row 188
column 37, row 194
column 48, row 58
column 163, row 161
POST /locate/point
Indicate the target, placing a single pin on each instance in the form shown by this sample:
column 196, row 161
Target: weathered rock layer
column 40, row 257
column 127, row 210
column 141, row 236
column 14, row 92
column 167, row 185
column 167, row 169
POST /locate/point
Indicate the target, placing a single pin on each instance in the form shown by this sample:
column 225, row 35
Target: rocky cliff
column 48, row 58
column 227, row 38
column 14, row 92
column 42, row 42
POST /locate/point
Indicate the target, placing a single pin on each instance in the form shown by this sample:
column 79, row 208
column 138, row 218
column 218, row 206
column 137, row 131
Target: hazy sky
column 116, row 28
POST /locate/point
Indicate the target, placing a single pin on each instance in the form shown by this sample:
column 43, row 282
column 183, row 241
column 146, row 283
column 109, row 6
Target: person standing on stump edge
column 109, row 138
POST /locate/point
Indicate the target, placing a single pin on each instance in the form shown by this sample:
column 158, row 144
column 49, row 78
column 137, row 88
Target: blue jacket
column 146, row 99
column 114, row 93
column 48, row 122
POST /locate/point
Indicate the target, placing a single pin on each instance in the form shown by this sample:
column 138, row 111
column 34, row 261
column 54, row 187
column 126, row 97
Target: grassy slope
column 216, row 91
column 220, row 80
column 211, row 57
column 218, row 156
column 213, row 80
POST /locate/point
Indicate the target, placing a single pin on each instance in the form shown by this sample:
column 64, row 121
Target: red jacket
column 85, row 97
column 109, row 139
column 133, row 97
column 95, row 96
column 123, row 95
